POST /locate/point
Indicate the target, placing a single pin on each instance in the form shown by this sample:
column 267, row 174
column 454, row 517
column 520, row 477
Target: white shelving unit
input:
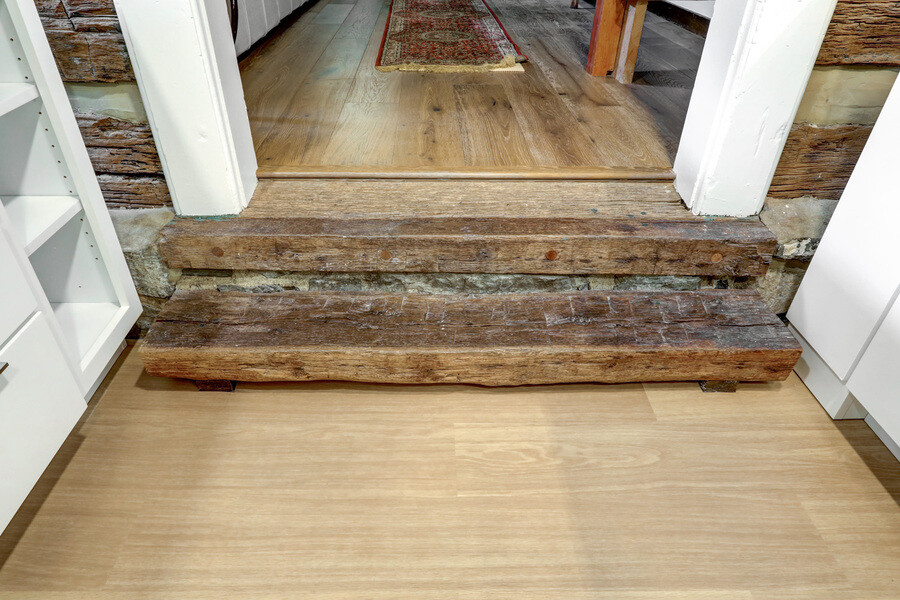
column 51, row 206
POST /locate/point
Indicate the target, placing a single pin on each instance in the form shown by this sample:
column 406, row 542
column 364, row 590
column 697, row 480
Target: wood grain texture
column 382, row 198
column 606, row 35
column 863, row 32
column 134, row 191
column 318, row 106
column 631, row 39
column 472, row 245
column 119, row 147
column 818, row 160
column 489, row 340
column 340, row 491
column 86, row 40
column 471, row 227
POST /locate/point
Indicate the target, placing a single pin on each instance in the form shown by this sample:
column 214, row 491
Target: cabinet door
column 876, row 380
column 40, row 402
column 17, row 302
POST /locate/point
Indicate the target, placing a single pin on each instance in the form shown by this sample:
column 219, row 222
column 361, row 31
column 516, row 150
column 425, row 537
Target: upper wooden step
column 515, row 339
column 541, row 227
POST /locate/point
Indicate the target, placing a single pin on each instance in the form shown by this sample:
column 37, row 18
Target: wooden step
column 610, row 337
column 540, row 227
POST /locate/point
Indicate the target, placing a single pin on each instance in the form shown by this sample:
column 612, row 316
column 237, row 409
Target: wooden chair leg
column 630, row 40
column 574, row 3
column 609, row 17
column 727, row 387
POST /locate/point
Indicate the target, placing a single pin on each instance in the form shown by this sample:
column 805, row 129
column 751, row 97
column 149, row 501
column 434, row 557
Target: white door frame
column 756, row 63
column 755, row 66
column 186, row 68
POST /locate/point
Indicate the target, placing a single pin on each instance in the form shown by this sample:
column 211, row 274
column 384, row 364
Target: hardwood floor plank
column 322, row 103
column 552, row 133
column 491, row 136
column 431, row 135
column 363, row 135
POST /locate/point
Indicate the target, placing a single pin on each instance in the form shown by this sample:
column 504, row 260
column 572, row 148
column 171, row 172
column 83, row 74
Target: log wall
column 88, row 45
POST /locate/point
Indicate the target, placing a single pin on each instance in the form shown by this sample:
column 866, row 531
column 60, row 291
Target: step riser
column 605, row 337
column 485, row 246
column 504, row 368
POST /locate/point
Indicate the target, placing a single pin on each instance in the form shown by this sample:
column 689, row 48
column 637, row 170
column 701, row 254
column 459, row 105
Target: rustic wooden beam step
column 609, row 337
column 539, row 227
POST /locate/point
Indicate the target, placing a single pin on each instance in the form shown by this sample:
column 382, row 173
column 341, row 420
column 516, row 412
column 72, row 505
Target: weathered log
column 818, row 161
column 863, row 32
column 119, row 147
column 611, row 337
column 134, row 191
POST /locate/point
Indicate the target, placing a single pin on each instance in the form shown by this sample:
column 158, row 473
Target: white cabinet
column 876, row 379
column 846, row 309
column 40, row 402
column 16, row 299
column 66, row 296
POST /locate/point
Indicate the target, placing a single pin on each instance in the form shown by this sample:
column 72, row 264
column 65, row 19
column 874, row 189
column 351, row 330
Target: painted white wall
column 186, row 68
column 259, row 17
column 755, row 66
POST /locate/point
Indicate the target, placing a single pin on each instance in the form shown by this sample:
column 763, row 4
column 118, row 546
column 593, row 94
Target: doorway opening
column 319, row 107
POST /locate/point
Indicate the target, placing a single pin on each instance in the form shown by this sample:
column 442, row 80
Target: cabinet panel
column 855, row 271
column 40, row 402
column 876, row 380
column 16, row 300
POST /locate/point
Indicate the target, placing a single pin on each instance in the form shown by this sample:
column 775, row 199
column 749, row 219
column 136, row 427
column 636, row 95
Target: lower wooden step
column 609, row 337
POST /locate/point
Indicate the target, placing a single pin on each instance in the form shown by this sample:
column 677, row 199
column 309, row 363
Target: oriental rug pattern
column 445, row 36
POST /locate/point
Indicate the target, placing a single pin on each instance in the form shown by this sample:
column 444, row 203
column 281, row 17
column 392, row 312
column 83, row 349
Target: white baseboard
column 827, row 387
column 893, row 446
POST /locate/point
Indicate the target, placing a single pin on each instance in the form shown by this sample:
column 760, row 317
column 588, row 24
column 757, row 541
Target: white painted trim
column 829, row 390
column 186, row 68
column 755, row 66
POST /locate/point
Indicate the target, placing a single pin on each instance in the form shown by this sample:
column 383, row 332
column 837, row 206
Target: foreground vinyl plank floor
column 335, row 490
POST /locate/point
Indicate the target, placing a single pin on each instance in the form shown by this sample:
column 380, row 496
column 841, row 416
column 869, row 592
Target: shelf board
column 37, row 218
column 83, row 323
column 14, row 95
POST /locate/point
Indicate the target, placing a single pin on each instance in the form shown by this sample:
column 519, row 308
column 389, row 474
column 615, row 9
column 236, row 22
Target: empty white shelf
column 83, row 323
column 14, row 95
column 36, row 218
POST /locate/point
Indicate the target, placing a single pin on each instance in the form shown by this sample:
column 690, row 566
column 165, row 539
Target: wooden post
column 609, row 16
column 630, row 40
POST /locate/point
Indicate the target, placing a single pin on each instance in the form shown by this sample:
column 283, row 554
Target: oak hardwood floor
column 317, row 103
column 330, row 490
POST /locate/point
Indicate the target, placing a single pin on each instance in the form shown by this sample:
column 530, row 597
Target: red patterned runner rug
column 445, row 36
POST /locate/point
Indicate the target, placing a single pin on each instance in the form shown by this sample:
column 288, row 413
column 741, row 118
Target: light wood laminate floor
column 331, row 490
column 318, row 105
